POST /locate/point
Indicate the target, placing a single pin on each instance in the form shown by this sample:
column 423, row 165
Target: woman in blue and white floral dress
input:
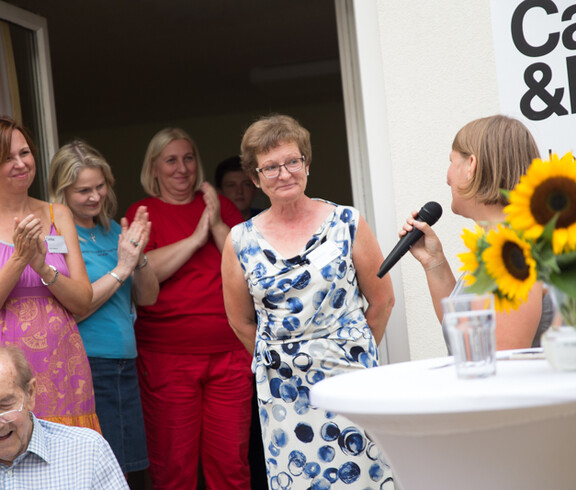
column 305, row 269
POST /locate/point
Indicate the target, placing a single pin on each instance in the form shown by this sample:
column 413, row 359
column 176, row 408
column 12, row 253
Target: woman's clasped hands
column 28, row 239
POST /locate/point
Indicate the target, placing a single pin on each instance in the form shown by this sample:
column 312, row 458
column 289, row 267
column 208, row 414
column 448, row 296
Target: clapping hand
column 29, row 241
column 212, row 204
column 202, row 231
column 133, row 240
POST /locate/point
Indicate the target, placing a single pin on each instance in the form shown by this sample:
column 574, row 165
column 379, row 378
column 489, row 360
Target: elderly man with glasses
column 39, row 454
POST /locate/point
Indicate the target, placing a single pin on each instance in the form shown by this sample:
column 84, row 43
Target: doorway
column 120, row 74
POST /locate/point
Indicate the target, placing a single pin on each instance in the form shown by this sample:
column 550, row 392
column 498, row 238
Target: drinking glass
column 470, row 321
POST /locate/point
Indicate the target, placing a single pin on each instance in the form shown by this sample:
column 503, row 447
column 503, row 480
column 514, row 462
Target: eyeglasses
column 11, row 415
column 273, row 171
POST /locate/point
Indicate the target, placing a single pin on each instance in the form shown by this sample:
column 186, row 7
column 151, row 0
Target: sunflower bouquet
column 537, row 242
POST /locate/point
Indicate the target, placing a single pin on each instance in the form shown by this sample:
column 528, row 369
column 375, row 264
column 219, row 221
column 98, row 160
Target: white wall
column 438, row 73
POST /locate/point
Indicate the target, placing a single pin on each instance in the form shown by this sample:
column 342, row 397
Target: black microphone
column 430, row 213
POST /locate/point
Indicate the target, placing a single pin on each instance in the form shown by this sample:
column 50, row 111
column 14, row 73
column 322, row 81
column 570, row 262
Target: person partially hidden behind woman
column 487, row 155
column 81, row 178
column 305, row 267
column 232, row 182
column 43, row 282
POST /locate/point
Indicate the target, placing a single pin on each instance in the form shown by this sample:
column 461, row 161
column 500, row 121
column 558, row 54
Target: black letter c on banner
column 518, row 32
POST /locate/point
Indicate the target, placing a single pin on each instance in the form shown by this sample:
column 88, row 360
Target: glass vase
column 559, row 341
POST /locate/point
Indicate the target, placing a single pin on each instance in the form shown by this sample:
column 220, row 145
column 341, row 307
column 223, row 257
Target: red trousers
column 197, row 406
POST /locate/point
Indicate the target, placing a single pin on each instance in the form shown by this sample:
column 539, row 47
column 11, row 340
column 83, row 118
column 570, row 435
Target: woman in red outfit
column 195, row 375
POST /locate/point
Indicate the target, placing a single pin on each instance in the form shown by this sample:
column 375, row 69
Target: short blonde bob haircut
column 65, row 167
column 156, row 146
column 268, row 133
column 504, row 149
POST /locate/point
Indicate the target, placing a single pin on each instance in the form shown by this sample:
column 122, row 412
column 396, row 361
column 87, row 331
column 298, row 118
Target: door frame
column 47, row 140
column 363, row 86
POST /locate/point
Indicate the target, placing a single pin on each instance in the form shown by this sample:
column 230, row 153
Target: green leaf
column 548, row 230
column 565, row 281
column 566, row 260
column 484, row 282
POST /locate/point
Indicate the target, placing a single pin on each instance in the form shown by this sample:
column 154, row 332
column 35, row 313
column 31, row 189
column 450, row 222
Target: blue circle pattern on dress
column 311, row 325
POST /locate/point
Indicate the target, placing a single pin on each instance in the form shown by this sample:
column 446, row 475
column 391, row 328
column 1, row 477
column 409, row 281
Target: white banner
column 535, row 49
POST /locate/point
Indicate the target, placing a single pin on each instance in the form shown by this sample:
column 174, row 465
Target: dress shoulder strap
column 52, row 219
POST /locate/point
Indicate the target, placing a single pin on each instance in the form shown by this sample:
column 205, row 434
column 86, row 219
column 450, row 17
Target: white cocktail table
column 515, row 430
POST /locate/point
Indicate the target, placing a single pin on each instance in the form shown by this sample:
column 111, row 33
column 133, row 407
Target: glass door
column 26, row 92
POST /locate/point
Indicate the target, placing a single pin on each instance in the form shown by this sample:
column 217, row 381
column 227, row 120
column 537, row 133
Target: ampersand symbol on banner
column 538, row 89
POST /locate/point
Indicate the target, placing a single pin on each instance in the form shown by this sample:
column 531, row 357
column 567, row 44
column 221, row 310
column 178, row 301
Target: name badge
column 56, row 244
column 324, row 254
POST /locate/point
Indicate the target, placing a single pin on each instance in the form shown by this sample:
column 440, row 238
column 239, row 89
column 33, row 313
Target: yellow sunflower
column 504, row 303
column 469, row 259
column 547, row 189
column 508, row 259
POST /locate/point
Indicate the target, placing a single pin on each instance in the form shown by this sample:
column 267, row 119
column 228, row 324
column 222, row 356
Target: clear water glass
column 470, row 321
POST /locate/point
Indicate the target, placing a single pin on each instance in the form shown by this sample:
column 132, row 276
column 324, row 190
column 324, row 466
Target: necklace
column 93, row 237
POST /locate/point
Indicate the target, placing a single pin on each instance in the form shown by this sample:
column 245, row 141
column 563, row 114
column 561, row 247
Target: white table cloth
column 515, row 430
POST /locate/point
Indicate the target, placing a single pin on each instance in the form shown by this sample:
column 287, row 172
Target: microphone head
column 430, row 212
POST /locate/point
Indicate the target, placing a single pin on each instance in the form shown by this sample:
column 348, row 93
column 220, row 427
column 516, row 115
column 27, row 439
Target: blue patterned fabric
column 311, row 326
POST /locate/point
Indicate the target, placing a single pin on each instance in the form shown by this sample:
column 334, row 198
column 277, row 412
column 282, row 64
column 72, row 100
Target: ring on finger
column 133, row 242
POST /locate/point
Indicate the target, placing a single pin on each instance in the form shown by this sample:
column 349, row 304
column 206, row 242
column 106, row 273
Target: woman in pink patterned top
column 43, row 282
